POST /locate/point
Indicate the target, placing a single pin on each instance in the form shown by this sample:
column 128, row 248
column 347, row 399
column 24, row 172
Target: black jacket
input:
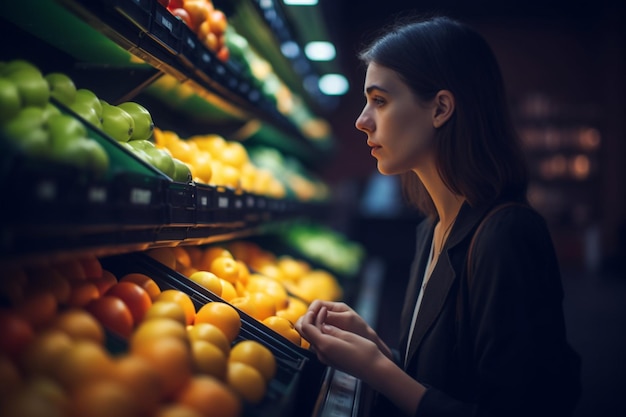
column 493, row 343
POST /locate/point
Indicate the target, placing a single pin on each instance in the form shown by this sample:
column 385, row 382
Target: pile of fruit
column 31, row 123
column 216, row 161
column 207, row 22
column 56, row 322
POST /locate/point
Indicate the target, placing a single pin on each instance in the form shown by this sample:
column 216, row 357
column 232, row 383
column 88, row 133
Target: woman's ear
column 444, row 107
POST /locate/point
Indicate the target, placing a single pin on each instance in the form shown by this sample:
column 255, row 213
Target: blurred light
column 333, row 84
column 320, row 51
column 290, row 49
column 300, row 2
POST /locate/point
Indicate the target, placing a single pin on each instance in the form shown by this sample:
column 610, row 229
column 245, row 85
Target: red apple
column 164, row 3
column 183, row 15
column 175, row 4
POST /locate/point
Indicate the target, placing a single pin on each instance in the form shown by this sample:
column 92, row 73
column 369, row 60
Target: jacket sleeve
column 520, row 359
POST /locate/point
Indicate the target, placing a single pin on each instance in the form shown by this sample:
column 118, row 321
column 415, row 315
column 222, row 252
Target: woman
column 483, row 334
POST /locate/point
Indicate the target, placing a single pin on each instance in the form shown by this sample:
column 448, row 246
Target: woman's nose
column 363, row 122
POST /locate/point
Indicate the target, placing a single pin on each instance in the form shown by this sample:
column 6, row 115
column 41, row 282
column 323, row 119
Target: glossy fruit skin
column 10, row 100
column 62, row 87
column 221, row 315
column 113, row 314
column 117, row 123
column 134, row 296
column 255, row 354
column 144, row 126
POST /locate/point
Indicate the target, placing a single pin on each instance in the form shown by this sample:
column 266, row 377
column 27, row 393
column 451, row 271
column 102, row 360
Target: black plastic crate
column 139, row 199
column 180, row 203
column 137, row 11
column 166, row 28
column 205, row 204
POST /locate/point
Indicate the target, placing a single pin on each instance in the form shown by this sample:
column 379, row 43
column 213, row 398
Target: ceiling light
column 333, row 84
column 320, row 51
column 300, row 2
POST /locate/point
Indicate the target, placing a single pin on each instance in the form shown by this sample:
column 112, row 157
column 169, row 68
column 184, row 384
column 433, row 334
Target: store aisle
column 595, row 311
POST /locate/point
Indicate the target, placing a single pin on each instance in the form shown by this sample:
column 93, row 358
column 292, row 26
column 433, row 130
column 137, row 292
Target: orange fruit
column 82, row 292
column 209, row 254
column 182, row 257
column 48, row 279
column 265, row 305
column 244, row 272
column 79, row 324
column 105, row 281
column 103, row 398
column 82, row 362
column 182, row 299
column 294, row 310
column 255, row 354
column 134, row 296
column 40, row 357
column 283, row 327
column 221, row 315
column 145, row 282
column 292, row 269
column 29, row 400
column 176, row 410
column 210, row 397
column 16, row 331
column 38, row 308
column 137, row 375
column 157, row 328
column 71, row 268
column 208, row 359
column 228, row 290
column 113, row 314
column 209, row 333
column 91, row 265
column 166, row 309
column 208, row 280
column 166, row 256
column 170, row 357
column 226, row 268
column 245, row 304
column 195, row 254
column 272, row 287
column 246, row 381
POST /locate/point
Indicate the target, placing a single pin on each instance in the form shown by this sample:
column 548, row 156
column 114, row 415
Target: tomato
column 113, row 313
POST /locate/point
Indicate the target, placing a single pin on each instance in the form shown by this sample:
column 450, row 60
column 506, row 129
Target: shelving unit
column 134, row 49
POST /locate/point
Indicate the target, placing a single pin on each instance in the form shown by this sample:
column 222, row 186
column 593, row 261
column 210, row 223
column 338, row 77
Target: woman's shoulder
column 513, row 220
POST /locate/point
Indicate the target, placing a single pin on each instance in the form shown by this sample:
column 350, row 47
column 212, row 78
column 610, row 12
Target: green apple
column 83, row 153
column 63, row 128
column 162, row 160
column 143, row 155
column 27, row 119
column 48, row 110
column 89, row 97
column 182, row 173
column 19, row 65
column 117, row 123
column 141, row 144
column 33, row 88
column 87, row 112
column 144, row 126
column 62, row 87
column 10, row 100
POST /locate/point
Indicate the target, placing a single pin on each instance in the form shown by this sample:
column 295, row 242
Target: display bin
column 206, row 196
column 166, row 28
column 139, row 199
column 299, row 376
column 137, row 11
column 180, row 203
column 190, row 47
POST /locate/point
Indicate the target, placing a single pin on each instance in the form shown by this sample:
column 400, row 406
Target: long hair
column 477, row 149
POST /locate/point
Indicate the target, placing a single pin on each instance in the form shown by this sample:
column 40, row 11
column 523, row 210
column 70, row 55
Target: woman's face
column 399, row 128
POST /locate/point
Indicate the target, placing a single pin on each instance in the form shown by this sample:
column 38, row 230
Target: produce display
column 206, row 21
column 60, row 319
column 35, row 126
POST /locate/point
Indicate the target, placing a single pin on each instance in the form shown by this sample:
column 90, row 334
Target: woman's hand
column 338, row 348
column 343, row 317
column 344, row 341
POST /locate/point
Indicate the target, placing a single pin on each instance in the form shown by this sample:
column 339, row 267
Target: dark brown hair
column 478, row 152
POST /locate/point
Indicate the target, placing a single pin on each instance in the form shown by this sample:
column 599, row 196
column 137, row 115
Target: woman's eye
column 379, row 101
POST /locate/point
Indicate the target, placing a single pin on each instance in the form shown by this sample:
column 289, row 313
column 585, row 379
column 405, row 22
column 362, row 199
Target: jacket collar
column 442, row 277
